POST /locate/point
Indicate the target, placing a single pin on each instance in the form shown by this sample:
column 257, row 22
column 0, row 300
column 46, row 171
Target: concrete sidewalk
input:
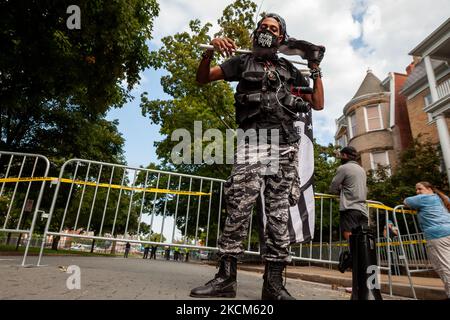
column 426, row 288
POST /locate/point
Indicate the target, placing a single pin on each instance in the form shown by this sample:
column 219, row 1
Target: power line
column 257, row 14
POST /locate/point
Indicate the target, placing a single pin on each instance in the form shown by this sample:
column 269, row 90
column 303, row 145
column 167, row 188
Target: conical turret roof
column 370, row 84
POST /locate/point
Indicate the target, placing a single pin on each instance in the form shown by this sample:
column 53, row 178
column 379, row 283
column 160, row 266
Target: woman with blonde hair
column 433, row 208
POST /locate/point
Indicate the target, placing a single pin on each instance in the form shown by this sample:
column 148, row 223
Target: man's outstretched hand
column 225, row 46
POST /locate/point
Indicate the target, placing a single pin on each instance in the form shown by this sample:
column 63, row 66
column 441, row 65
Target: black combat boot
column 224, row 283
column 273, row 288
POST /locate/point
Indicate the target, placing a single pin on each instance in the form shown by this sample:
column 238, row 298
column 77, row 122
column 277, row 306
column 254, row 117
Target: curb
column 398, row 289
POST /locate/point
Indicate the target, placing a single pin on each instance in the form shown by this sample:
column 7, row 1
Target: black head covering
column 280, row 20
column 351, row 152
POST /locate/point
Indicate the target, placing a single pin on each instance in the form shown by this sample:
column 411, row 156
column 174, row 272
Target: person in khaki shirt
column 350, row 183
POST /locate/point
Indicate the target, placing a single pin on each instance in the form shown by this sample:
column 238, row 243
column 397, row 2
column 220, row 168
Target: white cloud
column 175, row 15
column 388, row 28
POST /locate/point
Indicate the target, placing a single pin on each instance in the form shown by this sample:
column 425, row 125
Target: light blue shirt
column 434, row 218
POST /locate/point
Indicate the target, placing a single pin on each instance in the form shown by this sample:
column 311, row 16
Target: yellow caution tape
column 370, row 205
column 379, row 244
column 397, row 243
column 383, row 207
column 156, row 190
column 326, row 197
column 379, row 206
column 31, row 179
column 106, row 185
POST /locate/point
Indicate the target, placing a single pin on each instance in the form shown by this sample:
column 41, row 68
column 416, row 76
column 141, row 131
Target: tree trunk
column 55, row 243
column 18, row 241
column 113, row 247
column 92, row 246
column 8, row 238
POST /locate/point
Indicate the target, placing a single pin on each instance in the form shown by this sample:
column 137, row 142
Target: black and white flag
column 302, row 216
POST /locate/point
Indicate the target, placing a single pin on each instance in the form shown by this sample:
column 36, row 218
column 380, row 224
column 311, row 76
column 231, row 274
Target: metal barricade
column 22, row 177
column 326, row 245
column 387, row 249
column 412, row 243
column 107, row 203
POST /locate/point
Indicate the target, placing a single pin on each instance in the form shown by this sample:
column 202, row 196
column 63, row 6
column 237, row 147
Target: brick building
column 428, row 91
column 373, row 121
column 384, row 116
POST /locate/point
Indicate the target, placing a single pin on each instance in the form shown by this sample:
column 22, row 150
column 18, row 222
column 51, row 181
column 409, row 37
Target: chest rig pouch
column 259, row 98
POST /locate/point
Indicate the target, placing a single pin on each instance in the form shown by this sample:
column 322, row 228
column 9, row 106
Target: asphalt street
column 132, row 279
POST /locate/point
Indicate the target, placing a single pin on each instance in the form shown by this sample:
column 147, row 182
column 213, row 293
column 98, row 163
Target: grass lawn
column 11, row 250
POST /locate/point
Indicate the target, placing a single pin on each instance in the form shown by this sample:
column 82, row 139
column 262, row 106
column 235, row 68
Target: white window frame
column 427, row 102
column 344, row 137
column 388, row 163
column 380, row 114
column 350, row 125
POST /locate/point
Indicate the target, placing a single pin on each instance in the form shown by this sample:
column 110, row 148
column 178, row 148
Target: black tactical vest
column 259, row 95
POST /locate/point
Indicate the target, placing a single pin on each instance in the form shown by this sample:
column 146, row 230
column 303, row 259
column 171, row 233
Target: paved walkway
column 426, row 288
column 132, row 279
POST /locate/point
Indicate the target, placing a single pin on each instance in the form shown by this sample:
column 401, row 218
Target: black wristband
column 208, row 54
column 316, row 73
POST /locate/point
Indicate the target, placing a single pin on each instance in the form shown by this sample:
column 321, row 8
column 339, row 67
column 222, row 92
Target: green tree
column 156, row 237
column 57, row 84
column 144, row 230
column 421, row 162
column 325, row 166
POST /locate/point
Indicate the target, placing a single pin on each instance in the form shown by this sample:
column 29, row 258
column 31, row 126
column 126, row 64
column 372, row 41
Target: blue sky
column 139, row 133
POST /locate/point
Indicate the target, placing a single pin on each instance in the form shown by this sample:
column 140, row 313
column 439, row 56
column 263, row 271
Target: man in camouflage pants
column 280, row 182
column 264, row 105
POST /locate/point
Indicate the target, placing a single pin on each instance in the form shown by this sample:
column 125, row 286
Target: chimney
column 410, row 68
column 412, row 65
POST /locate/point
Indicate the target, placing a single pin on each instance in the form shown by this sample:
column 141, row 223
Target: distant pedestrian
column 153, row 252
column 168, row 253
column 146, row 250
column 186, row 254
column 393, row 230
column 127, row 250
column 433, row 208
column 390, row 232
column 176, row 253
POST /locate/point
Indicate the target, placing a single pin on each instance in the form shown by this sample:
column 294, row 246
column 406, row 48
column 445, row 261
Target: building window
column 352, row 125
column 342, row 141
column 374, row 119
column 428, row 101
column 378, row 159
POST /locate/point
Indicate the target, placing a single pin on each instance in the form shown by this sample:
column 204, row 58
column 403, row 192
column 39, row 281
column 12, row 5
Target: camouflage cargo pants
column 281, row 190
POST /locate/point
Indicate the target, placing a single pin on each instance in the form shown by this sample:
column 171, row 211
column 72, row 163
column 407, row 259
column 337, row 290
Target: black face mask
column 266, row 39
column 265, row 44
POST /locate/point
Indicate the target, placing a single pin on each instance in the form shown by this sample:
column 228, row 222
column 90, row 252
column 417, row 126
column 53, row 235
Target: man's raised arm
column 206, row 74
